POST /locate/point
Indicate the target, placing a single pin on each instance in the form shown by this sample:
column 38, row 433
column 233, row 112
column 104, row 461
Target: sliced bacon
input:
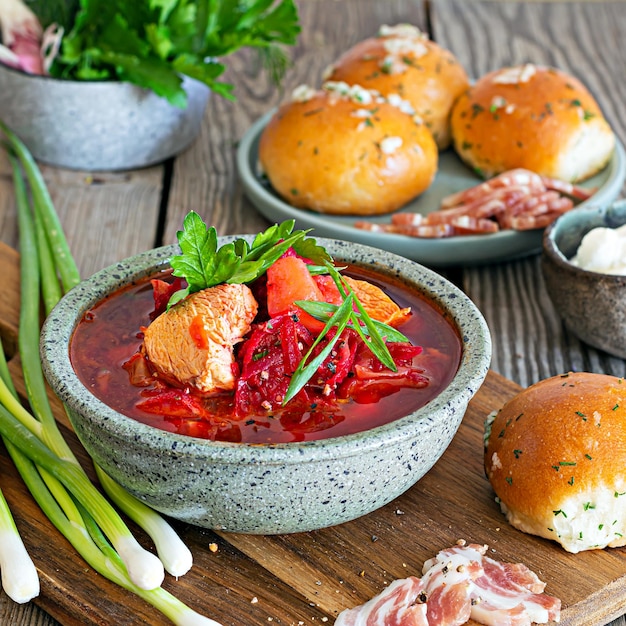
column 448, row 579
column 517, row 176
column 400, row 604
column 465, row 225
column 575, row 191
column 510, row 594
column 515, row 200
column 458, row 584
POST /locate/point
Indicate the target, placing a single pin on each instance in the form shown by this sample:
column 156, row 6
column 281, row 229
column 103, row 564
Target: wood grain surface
column 306, row 577
column 110, row 216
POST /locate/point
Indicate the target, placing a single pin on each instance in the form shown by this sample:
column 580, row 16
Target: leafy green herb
column 203, row 264
column 152, row 43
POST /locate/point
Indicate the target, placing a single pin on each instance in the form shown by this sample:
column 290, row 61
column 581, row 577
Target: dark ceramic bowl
column 277, row 488
column 591, row 304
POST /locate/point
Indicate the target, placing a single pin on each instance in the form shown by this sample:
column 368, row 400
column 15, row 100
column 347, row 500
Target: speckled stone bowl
column 97, row 125
column 592, row 305
column 268, row 489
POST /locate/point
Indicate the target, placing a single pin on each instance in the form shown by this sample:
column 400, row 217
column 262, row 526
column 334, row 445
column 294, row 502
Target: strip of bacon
column 458, row 584
column 400, row 604
column 449, row 582
column 515, row 200
column 506, row 179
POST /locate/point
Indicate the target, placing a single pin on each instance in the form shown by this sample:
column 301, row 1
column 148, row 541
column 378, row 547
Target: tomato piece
column 288, row 280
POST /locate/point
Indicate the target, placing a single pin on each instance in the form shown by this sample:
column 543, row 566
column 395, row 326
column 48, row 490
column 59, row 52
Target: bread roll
column 533, row 117
column 402, row 60
column 347, row 150
column 555, row 455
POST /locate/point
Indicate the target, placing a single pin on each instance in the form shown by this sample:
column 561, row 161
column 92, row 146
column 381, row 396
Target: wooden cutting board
column 309, row 578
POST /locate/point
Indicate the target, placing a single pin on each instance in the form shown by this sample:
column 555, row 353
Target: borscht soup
column 349, row 391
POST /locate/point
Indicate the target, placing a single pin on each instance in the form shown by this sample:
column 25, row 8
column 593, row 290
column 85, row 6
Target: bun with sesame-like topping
column 532, row 117
column 402, row 60
column 555, row 457
column 347, row 150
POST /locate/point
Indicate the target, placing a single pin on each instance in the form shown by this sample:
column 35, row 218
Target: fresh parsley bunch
column 153, row 43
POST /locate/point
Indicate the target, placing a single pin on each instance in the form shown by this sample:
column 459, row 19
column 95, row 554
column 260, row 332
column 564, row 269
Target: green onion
column 174, row 554
column 20, row 580
column 304, row 371
column 41, row 455
column 144, row 568
column 339, row 317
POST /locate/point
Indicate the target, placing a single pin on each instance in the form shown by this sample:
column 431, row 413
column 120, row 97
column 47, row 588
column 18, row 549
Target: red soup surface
column 110, row 334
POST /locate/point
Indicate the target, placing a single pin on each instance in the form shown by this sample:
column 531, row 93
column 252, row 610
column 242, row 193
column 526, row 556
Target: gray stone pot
column 278, row 488
column 94, row 126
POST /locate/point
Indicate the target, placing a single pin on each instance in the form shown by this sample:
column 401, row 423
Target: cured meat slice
column 458, row 584
column 400, row 604
column 448, row 580
column 509, row 594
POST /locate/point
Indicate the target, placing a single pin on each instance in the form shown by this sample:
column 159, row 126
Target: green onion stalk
column 45, row 461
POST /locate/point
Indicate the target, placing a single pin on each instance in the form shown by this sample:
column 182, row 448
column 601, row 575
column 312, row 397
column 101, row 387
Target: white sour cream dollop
column 603, row 250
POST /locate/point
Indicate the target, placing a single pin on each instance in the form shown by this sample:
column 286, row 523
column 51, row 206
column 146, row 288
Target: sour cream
column 603, row 250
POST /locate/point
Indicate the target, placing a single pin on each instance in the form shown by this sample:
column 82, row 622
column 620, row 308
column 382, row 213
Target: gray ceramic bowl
column 592, row 305
column 268, row 489
column 97, row 125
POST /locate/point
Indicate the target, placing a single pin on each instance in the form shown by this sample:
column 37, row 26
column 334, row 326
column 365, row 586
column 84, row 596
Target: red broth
column 110, row 333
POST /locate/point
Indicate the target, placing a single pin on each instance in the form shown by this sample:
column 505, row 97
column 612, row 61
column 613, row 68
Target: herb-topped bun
column 555, row 455
column 533, row 117
column 402, row 60
column 347, row 150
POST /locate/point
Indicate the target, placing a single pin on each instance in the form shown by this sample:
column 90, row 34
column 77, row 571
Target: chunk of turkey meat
column 192, row 343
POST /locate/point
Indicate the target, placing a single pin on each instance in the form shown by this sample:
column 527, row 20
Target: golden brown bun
column 407, row 63
column 555, row 456
column 532, row 117
column 333, row 154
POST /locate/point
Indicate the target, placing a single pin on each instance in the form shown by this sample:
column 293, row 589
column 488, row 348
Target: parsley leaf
column 152, row 43
column 203, row 264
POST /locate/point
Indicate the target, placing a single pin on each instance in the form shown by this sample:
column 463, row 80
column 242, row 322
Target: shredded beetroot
column 371, row 380
column 268, row 358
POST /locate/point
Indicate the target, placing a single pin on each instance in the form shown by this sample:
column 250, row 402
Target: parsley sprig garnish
column 203, row 264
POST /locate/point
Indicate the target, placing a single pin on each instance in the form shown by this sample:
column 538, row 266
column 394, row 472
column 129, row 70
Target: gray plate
column 452, row 176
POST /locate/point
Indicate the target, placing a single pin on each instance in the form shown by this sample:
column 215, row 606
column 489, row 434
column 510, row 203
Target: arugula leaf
column 151, row 43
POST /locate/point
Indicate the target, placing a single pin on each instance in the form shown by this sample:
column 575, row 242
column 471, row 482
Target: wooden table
column 109, row 216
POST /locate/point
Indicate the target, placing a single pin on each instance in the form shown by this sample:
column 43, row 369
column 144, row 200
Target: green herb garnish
column 341, row 317
column 203, row 264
